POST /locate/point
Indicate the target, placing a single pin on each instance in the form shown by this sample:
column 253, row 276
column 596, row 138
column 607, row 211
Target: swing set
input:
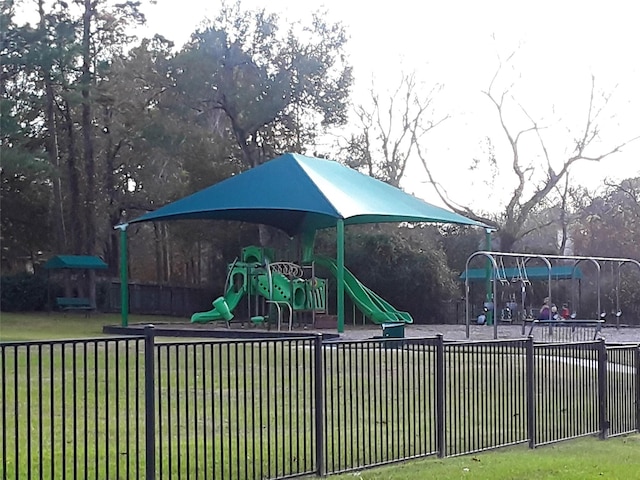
column 522, row 275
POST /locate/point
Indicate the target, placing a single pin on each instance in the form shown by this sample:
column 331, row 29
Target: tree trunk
column 157, row 234
column 87, row 135
column 111, row 191
column 59, row 230
column 507, row 240
column 51, row 142
column 76, row 232
column 166, row 254
column 112, row 248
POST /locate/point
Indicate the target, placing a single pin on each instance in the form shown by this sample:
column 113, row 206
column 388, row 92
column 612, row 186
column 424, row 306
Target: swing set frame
column 496, row 260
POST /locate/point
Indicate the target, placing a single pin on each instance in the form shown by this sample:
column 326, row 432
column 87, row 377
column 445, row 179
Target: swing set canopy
column 561, row 272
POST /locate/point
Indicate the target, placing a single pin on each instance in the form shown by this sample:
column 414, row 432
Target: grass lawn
column 585, row 458
column 56, row 325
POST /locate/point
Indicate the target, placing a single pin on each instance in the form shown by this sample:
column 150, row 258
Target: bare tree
column 391, row 128
column 629, row 189
column 512, row 221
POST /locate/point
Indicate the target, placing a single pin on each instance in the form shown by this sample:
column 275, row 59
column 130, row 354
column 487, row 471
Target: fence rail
column 131, row 407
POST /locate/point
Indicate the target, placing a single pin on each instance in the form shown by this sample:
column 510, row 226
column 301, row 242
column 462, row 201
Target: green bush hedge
column 23, row 292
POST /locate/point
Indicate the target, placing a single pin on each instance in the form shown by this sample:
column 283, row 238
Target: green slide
column 281, row 287
column 221, row 306
column 369, row 302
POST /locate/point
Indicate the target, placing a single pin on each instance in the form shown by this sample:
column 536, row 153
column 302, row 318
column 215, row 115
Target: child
column 545, row 310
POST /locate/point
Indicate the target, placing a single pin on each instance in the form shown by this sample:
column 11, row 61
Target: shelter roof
column 560, row 272
column 75, row 261
column 296, row 193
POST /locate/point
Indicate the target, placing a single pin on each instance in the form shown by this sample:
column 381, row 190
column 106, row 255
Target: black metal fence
column 73, row 409
column 135, row 407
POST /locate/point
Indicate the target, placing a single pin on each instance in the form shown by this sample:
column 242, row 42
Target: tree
column 53, row 82
column 609, row 225
column 535, row 170
column 24, row 172
column 391, row 128
column 270, row 91
column 101, row 129
column 405, row 266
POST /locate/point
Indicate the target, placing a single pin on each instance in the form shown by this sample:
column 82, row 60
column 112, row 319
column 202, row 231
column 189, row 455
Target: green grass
column 582, row 459
column 56, row 325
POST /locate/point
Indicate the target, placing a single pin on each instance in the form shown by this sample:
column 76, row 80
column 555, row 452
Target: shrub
column 407, row 267
column 23, row 292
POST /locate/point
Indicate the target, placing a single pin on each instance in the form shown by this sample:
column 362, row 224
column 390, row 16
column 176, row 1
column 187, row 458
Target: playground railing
column 278, row 305
column 565, row 330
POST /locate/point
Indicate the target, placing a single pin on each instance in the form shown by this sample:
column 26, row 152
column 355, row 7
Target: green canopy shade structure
column 562, row 272
column 299, row 195
column 75, row 262
column 295, row 193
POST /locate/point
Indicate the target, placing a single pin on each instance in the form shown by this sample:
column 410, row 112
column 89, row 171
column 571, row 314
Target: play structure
column 298, row 195
column 498, row 277
column 275, row 291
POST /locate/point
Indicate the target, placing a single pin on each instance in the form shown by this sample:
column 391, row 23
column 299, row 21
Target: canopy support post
column 124, row 276
column 340, row 274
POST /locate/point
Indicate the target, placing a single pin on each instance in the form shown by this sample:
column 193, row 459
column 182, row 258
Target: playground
column 266, row 296
column 301, row 195
column 575, row 320
column 298, row 195
column 284, row 402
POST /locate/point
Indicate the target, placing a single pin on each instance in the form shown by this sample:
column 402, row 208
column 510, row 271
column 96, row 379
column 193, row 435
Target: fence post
column 531, row 391
column 637, row 365
column 319, row 401
column 602, row 389
column 440, row 397
column 150, row 402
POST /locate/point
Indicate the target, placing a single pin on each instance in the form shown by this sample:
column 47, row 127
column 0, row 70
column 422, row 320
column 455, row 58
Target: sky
column 559, row 45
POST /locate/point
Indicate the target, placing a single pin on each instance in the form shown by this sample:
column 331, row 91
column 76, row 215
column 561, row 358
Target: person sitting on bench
column 545, row 310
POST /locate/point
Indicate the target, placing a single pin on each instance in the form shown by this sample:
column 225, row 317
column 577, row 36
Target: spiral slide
column 369, row 302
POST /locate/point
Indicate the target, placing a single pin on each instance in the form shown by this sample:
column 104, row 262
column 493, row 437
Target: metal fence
column 73, row 409
column 134, row 407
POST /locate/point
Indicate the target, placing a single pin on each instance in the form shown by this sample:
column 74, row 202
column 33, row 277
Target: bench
column 74, row 303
